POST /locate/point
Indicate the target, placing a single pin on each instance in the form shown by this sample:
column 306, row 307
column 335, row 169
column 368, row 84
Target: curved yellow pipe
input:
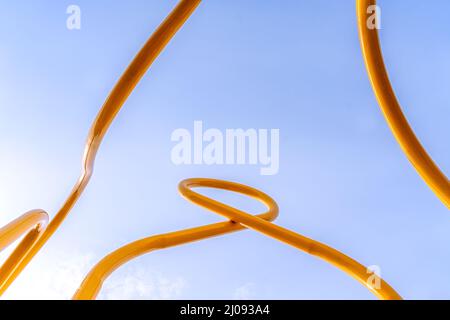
column 32, row 224
column 135, row 71
column 411, row 146
column 239, row 220
column 94, row 280
column 33, row 220
column 34, row 241
column 312, row 247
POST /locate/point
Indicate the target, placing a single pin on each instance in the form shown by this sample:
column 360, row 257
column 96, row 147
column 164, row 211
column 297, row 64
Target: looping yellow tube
column 239, row 220
column 404, row 134
column 94, row 280
column 312, row 247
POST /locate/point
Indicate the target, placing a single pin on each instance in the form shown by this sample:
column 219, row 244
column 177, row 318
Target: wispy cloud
column 141, row 283
column 60, row 276
column 48, row 279
column 244, row 292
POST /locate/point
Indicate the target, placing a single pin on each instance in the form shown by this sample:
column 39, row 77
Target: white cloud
column 141, row 283
column 59, row 277
column 49, row 279
column 244, row 292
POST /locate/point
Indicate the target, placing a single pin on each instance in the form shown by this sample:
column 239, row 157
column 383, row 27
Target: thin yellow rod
column 379, row 78
column 240, row 220
column 126, row 84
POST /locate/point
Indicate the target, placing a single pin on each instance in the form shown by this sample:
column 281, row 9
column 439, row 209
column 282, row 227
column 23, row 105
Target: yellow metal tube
column 94, row 280
column 379, row 78
column 238, row 221
column 109, row 110
column 31, row 224
column 330, row 255
column 36, row 219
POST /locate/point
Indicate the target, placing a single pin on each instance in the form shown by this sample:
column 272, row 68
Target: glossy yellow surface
column 392, row 110
column 135, row 71
column 93, row 282
column 238, row 220
column 31, row 224
column 31, row 221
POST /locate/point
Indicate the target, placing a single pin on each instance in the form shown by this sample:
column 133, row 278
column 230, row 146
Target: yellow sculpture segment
column 135, row 71
column 92, row 284
column 239, row 220
column 34, row 224
column 392, row 110
column 31, row 224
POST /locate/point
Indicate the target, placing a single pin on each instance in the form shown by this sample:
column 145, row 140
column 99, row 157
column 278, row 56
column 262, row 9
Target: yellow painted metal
column 135, row 71
column 392, row 110
column 239, row 220
column 32, row 224
column 93, row 282
column 35, row 220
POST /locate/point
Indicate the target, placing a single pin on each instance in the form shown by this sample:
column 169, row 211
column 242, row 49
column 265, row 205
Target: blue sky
column 292, row 65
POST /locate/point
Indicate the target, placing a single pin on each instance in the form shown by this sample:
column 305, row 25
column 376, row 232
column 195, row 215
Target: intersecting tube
column 239, row 220
column 312, row 247
column 93, row 282
column 392, row 110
